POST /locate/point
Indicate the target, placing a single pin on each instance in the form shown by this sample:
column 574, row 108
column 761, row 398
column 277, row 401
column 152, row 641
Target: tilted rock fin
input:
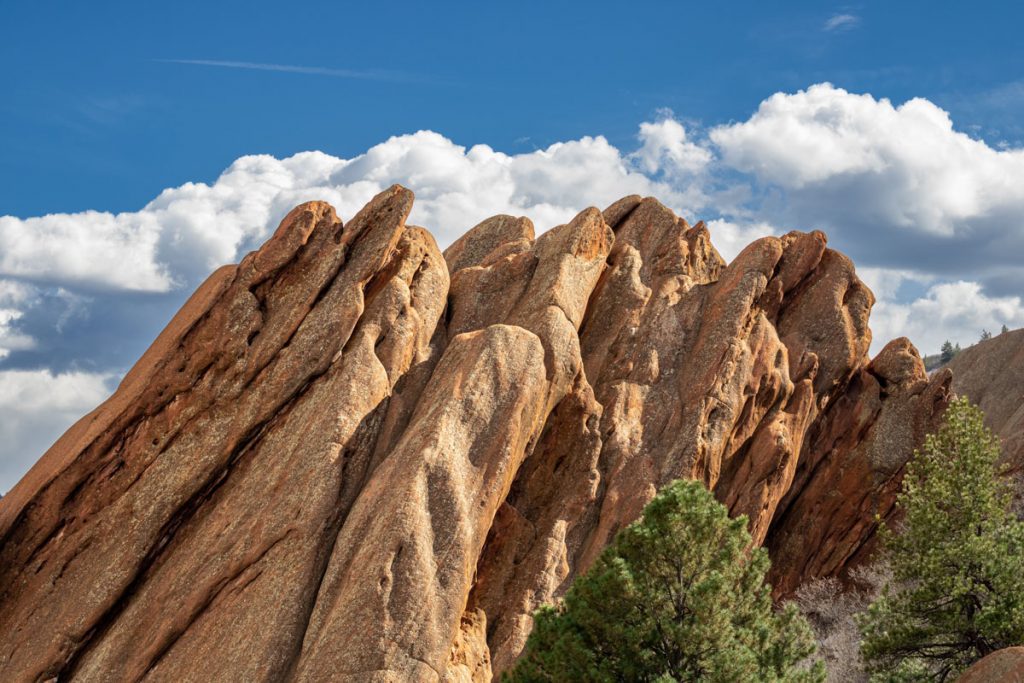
column 353, row 457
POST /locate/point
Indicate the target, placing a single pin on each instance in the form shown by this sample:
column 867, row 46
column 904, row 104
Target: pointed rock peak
column 498, row 233
column 899, row 363
column 618, row 211
column 392, row 206
column 586, row 236
column 803, row 252
column 293, row 232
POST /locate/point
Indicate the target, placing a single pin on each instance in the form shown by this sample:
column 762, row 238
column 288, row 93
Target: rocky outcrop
column 1001, row 666
column 353, row 457
column 991, row 375
column 852, row 466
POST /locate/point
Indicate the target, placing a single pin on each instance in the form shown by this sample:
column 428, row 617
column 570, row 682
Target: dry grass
column 831, row 610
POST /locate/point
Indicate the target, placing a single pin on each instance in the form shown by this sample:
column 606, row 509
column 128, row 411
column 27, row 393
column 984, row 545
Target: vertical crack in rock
column 852, row 466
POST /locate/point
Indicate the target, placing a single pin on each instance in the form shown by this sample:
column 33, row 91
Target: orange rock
column 1001, row 666
column 353, row 457
column 851, row 467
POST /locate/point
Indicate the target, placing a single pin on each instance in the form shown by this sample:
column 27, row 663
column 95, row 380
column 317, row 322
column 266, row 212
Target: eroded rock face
column 852, row 465
column 353, row 457
column 1001, row 666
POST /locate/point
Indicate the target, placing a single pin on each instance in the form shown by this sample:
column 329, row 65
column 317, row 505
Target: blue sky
column 142, row 144
column 92, row 119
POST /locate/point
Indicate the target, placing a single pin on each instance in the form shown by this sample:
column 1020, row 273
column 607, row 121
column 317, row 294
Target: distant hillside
column 937, row 360
column 991, row 374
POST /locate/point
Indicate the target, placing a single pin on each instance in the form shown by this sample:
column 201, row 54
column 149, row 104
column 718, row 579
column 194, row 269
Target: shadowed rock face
column 353, row 457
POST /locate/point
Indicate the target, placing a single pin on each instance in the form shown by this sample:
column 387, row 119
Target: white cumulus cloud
column 895, row 186
column 188, row 230
column 933, row 218
column 665, row 147
column 84, row 248
column 954, row 311
column 902, row 165
column 37, row 407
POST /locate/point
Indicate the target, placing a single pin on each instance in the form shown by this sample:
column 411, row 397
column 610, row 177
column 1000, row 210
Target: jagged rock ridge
column 353, row 457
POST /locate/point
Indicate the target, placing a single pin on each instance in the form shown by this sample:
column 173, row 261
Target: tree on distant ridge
column 947, row 352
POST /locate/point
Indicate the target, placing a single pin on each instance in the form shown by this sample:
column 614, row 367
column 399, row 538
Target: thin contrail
column 372, row 75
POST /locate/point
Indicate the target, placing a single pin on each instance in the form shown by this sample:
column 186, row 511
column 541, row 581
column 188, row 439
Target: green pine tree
column 947, row 352
column 678, row 596
column 958, row 563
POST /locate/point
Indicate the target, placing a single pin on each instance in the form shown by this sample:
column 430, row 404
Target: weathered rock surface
column 1001, row 666
column 352, row 457
column 852, row 466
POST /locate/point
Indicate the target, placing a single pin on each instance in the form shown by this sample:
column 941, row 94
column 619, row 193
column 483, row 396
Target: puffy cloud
column 954, row 311
column 929, row 177
column 665, row 147
column 189, row 230
column 932, row 217
column 88, row 247
column 14, row 296
column 37, row 407
column 896, row 186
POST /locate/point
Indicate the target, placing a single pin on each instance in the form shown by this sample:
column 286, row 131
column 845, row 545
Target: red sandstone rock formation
column 351, row 457
column 1002, row 666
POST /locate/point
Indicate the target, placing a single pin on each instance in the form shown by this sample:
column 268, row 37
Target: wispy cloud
column 368, row 75
column 841, row 22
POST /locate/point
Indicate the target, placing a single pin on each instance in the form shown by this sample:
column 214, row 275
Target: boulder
column 1001, row 666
